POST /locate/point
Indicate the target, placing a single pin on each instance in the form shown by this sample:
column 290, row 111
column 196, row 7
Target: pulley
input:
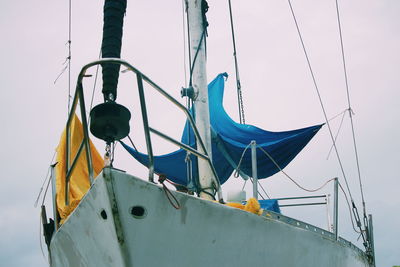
column 109, row 121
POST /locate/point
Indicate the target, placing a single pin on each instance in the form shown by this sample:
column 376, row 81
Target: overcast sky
column 277, row 89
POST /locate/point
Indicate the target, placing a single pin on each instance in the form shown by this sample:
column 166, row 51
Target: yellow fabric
column 252, row 206
column 79, row 181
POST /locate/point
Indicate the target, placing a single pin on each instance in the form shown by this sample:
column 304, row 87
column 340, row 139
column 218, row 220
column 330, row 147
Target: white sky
column 277, row 89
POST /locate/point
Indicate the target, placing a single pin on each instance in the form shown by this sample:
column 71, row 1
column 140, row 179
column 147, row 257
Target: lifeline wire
column 290, row 178
column 314, row 190
column 320, row 99
column 349, row 105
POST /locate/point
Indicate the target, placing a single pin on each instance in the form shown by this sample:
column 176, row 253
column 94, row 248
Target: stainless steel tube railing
column 147, row 129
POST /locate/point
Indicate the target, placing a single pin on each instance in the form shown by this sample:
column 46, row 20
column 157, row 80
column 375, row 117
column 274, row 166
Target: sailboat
column 106, row 217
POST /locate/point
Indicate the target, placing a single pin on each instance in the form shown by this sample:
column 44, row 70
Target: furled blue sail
column 230, row 145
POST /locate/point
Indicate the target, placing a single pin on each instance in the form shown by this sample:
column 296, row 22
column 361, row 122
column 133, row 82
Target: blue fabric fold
column 229, row 141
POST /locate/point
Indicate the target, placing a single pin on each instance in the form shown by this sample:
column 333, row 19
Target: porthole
column 138, row 212
column 103, row 214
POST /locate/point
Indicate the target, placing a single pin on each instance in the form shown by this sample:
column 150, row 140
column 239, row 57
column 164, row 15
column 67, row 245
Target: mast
column 197, row 30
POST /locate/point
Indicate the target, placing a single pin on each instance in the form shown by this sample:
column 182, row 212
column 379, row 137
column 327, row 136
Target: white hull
column 201, row 233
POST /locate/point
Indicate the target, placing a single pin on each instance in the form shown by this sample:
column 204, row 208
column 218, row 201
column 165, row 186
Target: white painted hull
column 201, row 233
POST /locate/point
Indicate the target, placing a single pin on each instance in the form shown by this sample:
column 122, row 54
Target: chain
column 107, row 156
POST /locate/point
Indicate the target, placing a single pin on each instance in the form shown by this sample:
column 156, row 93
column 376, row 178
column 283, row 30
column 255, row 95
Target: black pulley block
column 109, row 121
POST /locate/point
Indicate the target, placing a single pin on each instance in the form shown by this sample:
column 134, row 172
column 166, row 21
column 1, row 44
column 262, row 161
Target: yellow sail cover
column 79, row 181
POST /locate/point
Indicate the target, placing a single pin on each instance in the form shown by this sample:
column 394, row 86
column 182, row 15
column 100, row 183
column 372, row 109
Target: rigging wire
column 63, row 70
column 189, row 101
column 67, row 61
column 95, row 83
column 320, row 99
column 238, row 84
column 349, row 107
column 348, row 205
column 133, row 145
column 354, row 207
column 184, row 42
column 337, row 134
column 265, row 192
column 188, row 32
column 44, row 181
column 69, row 52
column 244, row 184
column 237, row 172
column 40, row 235
column 337, row 115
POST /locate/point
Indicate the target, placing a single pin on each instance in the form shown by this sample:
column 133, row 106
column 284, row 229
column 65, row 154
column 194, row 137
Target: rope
column 204, row 9
column 236, row 173
column 195, row 57
column 203, row 190
column 320, row 99
column 171, row 198
column 349, row 105
column 238, row 84
column 290, row 178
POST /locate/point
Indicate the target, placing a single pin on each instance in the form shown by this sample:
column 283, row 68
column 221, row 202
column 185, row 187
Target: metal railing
column 85, row 142
column 79, row 95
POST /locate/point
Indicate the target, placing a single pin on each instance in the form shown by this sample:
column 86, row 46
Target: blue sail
column 230, row 145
